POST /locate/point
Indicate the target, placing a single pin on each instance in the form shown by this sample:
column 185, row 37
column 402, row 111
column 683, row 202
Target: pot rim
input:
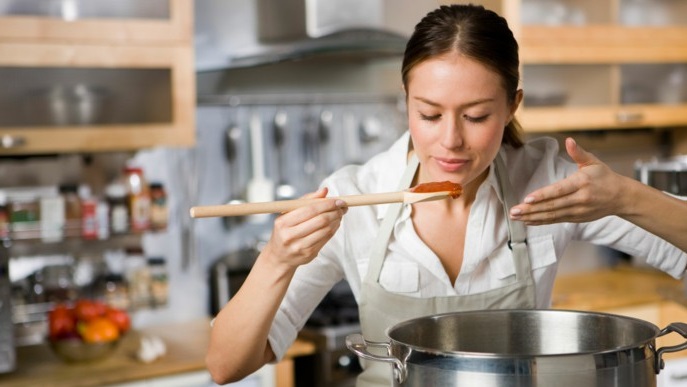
column 486, row 355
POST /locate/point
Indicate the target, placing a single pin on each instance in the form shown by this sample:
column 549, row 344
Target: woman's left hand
column 594, row 191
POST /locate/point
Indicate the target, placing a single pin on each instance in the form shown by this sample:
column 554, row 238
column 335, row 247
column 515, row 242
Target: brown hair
column 477, row 33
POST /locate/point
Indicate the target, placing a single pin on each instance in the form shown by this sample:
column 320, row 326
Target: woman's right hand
column 299, row 235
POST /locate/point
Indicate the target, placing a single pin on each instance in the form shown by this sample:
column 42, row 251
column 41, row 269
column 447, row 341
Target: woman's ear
column 516, row 103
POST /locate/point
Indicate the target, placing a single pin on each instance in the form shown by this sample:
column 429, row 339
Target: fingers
column 299, row 234
column 559, row 189
column 320, row 193
column 580, row 156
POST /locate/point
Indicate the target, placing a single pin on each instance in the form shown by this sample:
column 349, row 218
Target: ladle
column 284, row 190
column 232, row 138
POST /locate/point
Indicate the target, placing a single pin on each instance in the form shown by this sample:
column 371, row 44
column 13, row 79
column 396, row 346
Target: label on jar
column 140, row 213
column 52, row 218
column 119, row 219
column 89, row 219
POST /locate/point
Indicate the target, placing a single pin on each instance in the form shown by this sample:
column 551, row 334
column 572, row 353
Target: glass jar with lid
column 138, row 198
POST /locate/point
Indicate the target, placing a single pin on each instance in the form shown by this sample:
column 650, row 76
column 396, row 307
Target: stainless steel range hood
column 244, row 33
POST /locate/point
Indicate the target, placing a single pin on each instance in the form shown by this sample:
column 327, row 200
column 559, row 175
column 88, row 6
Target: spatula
column 420, row 193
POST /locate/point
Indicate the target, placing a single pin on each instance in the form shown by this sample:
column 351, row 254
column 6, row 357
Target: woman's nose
column 452, row 136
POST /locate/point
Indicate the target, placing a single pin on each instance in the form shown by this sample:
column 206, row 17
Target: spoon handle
column 280, row 206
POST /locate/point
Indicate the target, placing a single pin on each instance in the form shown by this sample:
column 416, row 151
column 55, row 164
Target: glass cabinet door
column 57, row 96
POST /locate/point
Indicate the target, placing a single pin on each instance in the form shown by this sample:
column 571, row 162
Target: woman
column 596, row 191
column 460, row 74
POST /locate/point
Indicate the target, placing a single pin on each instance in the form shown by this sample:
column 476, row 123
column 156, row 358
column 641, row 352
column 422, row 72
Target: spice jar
column 4, row 218
column 116, row 291
column 119, row 210
column 139, row 199
column 159, row 288
column 25, row 216
column 138, row 278
column 89, row 216
column 72, row 209
column 158, row 206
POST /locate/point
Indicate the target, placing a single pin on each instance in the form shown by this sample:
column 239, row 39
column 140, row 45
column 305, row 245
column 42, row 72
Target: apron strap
column 517, row 235
column 378, row 252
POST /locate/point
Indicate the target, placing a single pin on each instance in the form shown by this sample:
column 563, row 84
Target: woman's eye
column 476, row 119
column 430, row 118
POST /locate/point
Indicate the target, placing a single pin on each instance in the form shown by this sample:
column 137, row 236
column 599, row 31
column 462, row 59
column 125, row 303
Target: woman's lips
column 450, row 165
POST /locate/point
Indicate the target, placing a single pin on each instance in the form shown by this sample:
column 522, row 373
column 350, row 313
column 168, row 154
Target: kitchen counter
column 186, row 346
column 616, row 287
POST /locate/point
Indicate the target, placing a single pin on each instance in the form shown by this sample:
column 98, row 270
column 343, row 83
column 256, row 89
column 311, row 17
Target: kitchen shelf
column 34, row 246
column 565, row 37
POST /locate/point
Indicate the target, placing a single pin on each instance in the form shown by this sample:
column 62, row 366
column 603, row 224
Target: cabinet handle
column 627, row 117
column 8, row 142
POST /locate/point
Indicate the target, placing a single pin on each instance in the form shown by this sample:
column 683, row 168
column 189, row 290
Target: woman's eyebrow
column 465, row 105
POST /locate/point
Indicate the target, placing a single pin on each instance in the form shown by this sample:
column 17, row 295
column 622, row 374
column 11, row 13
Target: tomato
column 120, row 318
column 61, row 322
column 98, row 330
column 86, row 310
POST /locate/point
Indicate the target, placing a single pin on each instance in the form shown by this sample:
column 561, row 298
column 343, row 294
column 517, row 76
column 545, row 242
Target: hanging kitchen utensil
column 284, row 190
column 260, row 187
column 324, row 130
column 232, row 142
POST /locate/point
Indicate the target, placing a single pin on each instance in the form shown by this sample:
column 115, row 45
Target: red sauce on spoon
column 454, row 189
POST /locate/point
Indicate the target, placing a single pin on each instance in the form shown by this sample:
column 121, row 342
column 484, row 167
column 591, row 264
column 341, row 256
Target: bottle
column 137, row 275
column 159, row 288
column 72, row 209
column 4, row 218
column 52, row 218
column 116, row 291
column 102, row 212
column 139, row 199
column 119, row 210
column 158, row 206
column 25, row 216
column 89, row 216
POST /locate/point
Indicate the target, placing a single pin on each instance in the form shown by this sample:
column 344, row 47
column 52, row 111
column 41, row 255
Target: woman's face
column 457, row 112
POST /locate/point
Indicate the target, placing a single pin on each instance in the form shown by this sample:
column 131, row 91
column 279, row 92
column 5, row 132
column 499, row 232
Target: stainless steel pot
column 509, row 348
column 667, row 175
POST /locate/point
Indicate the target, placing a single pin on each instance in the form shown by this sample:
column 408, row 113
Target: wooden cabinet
column 600, row 65
column 96, row 76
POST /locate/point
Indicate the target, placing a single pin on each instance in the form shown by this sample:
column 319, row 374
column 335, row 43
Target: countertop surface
column 619, row 286
column 186, row 346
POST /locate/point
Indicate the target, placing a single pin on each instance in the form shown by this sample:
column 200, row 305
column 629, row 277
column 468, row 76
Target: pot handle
column 358, row 345
column 677, row 327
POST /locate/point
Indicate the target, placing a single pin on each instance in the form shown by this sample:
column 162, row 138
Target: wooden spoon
column 419, row 193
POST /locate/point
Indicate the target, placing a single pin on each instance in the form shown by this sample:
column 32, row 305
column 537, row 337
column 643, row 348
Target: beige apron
column 380, row 309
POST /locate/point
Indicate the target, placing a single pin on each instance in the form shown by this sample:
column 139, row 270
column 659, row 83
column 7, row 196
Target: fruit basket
column 86, row 331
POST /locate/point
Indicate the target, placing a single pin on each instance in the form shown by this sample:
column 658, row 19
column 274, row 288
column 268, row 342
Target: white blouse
column 413, row 269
